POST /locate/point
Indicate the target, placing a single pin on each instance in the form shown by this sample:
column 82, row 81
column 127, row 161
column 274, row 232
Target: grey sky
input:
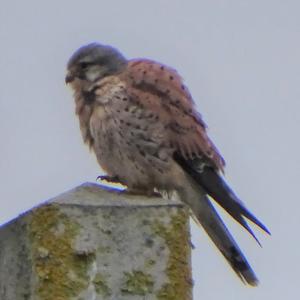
column 241, row 62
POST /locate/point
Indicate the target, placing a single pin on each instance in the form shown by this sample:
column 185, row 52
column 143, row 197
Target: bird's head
column 94, row 62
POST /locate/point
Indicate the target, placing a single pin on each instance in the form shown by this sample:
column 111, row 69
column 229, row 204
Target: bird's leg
column 111, row 179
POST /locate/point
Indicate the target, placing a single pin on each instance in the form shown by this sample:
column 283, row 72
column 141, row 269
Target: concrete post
column 95, row 243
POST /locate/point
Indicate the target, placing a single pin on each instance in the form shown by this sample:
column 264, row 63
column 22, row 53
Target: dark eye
column 84, row 65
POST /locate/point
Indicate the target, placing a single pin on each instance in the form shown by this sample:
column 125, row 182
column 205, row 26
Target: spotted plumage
column 141, row 122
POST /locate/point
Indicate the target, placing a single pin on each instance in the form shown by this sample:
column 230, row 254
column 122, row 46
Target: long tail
column 217, row 188
column 192, row 194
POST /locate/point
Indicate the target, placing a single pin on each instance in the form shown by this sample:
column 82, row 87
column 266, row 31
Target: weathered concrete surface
column 95, row 243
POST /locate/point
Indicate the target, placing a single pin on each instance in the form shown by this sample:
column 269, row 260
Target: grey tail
column 204, row 180
column 224, row 241
column 218, row 190
column 211, row 222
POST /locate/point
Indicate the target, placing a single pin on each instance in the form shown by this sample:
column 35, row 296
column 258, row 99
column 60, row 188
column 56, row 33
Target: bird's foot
column 110, row 179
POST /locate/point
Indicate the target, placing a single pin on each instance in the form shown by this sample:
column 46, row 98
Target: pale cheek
column 93, row 74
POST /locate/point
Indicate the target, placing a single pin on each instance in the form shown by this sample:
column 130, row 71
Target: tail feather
column 217, row 188
column 208, row 217
column 202, row 181
column 219, row 191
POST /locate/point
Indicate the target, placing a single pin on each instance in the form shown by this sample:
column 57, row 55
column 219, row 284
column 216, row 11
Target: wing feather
column 161, row 89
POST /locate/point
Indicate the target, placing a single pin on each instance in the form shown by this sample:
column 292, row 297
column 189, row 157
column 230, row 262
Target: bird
column 140, row 120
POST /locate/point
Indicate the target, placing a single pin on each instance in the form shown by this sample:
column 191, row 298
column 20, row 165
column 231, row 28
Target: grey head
column 93, row 62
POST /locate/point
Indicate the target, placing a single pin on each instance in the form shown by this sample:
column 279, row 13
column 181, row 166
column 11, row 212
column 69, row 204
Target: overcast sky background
column 241, row 62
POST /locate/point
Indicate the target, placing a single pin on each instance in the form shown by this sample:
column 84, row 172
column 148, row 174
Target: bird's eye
column 84, row 65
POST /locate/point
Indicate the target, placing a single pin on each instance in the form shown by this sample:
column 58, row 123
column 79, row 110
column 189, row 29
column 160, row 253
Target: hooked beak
column 69, row 78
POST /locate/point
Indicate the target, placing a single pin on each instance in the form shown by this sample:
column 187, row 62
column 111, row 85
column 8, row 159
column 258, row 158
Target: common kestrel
column 141, row 122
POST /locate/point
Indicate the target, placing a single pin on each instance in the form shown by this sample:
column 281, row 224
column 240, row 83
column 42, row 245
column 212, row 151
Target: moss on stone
column 137, row 283
column 149, row 263
column 61, row 273
column 177, row 239
column 101, row 286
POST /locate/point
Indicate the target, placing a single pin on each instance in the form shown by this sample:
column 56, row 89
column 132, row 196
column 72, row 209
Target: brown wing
column 161, row 90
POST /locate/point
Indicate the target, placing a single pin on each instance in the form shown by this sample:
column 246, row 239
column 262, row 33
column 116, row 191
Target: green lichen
column 177, row 240
column 61, row 273
column 149, row 263
column 137, row 283
column 101, row 286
